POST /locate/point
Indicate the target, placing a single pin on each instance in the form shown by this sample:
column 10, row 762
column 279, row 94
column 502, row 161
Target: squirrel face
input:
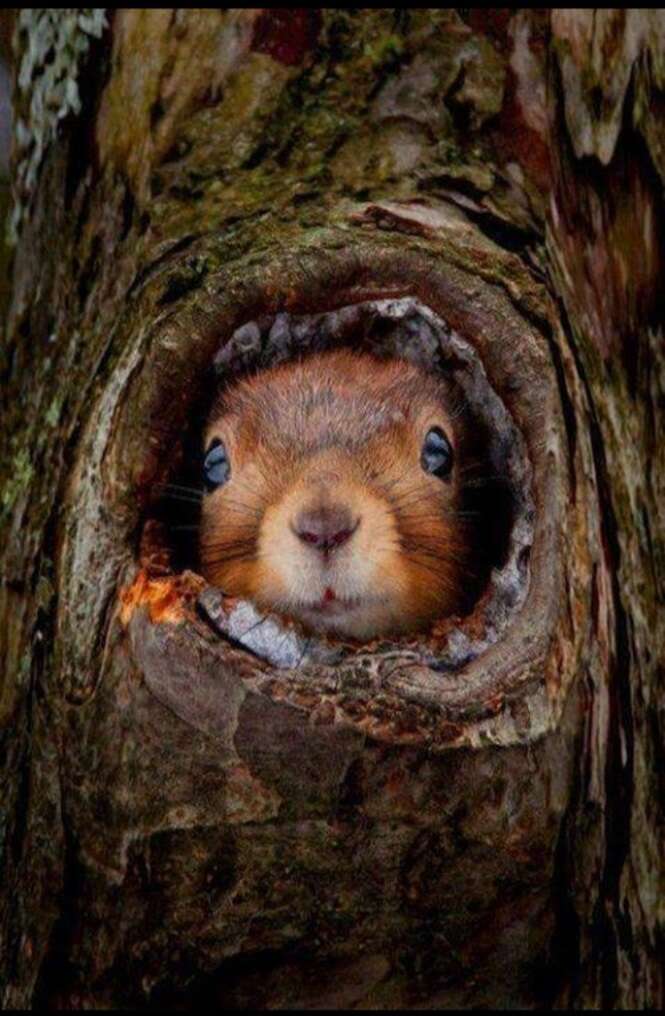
column 333, row 495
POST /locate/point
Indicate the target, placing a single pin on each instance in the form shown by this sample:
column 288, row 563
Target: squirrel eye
column 216, row 467
column 437, row 454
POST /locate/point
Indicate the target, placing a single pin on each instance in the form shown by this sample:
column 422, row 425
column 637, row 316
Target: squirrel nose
column 325, row 527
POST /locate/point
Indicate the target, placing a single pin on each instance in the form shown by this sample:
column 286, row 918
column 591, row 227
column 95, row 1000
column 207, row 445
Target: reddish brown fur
column 339, row 428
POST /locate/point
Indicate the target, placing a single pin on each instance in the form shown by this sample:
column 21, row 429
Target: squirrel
column 333, row 494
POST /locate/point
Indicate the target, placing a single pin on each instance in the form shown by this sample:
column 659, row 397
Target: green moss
column 52, row 415
column 189, row 276
column 20, row 475
column 385, row 51
column 24, row 669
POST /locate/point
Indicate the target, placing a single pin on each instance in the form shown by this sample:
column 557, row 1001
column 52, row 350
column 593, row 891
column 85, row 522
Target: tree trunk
column 184, row 822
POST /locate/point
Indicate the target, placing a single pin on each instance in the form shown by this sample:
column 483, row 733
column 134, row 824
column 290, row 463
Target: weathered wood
column 184, row 822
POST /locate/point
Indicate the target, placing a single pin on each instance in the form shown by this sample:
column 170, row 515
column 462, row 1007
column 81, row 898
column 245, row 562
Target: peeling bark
column 184, row 822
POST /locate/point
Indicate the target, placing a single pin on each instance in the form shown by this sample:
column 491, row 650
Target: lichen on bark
column 53, row 46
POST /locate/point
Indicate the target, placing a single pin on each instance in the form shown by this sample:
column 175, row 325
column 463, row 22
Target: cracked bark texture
column 181, row 824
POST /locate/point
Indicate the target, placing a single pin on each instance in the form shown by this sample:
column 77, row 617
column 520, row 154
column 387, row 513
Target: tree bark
column 184, row 822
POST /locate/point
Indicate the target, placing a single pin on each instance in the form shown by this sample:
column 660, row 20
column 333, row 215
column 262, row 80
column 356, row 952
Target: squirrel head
column 333, row 494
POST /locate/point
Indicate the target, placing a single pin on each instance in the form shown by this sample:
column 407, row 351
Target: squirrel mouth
column 330, row 603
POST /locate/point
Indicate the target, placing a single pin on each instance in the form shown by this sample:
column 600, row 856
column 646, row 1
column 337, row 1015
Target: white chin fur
column 359, row 622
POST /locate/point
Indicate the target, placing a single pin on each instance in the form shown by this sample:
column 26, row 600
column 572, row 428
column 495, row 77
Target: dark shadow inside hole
column 489, row 499
column 177, row 505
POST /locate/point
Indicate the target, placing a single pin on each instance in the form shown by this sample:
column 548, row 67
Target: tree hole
column 497, row 478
